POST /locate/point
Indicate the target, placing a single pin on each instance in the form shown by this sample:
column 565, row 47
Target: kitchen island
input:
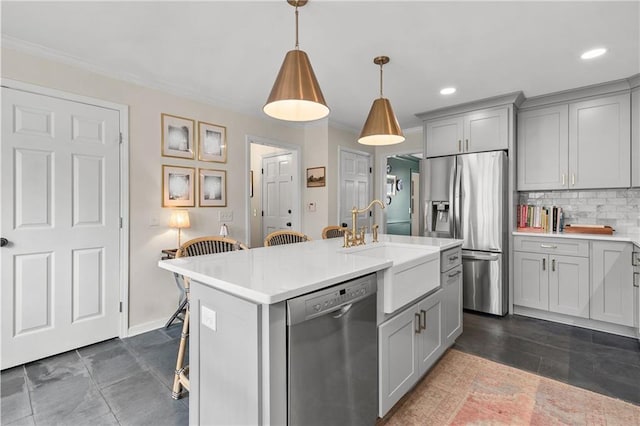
column 238, row 336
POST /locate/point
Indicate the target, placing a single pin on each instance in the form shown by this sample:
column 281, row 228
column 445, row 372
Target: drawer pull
column 417, row 324
column 455, row 274
column 453, row 258
column 548, row 246
column 553, row 265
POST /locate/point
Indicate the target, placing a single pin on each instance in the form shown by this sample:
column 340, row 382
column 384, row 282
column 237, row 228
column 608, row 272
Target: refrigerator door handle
column 455, row 193
column 489, row 257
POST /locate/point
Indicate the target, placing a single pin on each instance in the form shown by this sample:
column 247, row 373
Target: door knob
column 344, row 224
column 3, row 242
column 288, row 223
column 289, row 211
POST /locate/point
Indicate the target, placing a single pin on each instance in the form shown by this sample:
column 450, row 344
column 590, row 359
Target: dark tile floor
column 128, row 381
column 601, row 362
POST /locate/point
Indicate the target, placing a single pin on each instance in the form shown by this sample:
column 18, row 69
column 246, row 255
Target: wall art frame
column 178, row 186
column 177, row 137
column 212, row 142
column 213, row 188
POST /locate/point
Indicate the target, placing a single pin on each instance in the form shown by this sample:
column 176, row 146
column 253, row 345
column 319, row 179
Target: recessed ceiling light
column 448, row 91
column 593, row 53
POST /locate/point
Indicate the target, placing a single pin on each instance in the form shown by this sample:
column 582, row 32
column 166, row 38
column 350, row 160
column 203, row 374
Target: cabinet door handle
column 417, row 324
column 544, row 264
column 553, row 265
column 563, row 179
column 573, row 179
column 452, row 258
column 423, row 319
column 459, row 145
column 467, row 143
column 548, row 246
column 636, row 279
column 455, row 274
column 635, row 258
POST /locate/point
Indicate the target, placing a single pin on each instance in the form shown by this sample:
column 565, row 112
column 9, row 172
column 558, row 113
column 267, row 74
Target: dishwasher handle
column 343, row 311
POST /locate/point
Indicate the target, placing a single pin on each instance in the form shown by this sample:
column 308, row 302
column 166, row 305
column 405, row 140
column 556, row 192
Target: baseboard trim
column 145, row 327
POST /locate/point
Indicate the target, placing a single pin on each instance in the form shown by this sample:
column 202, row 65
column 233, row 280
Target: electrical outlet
column 225, row 215
column 311, row 207
column 208, row 318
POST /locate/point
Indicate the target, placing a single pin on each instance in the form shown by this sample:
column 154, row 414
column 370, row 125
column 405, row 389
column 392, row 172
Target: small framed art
column 213, row 188
column 178, row 186
column 177, row 137
column 212, row 142
column 315, row 177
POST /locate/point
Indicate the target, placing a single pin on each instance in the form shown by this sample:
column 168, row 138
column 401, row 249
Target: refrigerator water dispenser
column 440, row 216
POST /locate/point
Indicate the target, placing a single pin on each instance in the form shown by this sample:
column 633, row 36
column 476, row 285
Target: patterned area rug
column 464, row 389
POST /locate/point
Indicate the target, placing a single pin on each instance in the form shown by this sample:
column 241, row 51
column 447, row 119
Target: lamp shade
column 296, row 94
column 381, row 127
column 179, row 219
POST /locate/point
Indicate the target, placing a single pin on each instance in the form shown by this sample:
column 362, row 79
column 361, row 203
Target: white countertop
column 272, row 274
column 628, row 238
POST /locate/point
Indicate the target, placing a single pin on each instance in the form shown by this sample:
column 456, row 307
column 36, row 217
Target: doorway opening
column 402, row 194
column 274, row 188
column 355, row 188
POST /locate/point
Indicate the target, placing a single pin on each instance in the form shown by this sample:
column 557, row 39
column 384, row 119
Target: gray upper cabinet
column 577, row 145
column 483, row 130
column 599, row 143
column 635, row 137
column 543, row 148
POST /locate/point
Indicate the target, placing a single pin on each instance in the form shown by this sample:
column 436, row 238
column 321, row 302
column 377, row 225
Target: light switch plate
column 225, row 215
column 208, row 318
column 311, row 206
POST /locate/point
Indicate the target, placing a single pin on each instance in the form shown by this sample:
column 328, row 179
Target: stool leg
column 177, row 386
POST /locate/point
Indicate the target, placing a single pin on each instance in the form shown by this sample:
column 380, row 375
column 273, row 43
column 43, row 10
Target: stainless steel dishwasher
column 332, row 355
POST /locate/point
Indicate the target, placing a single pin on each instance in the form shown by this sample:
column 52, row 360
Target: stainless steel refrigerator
column 465, row 196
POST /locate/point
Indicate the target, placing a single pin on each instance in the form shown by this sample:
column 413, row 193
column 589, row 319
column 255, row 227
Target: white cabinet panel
column 612, row 283
column 599, row 143
column 531, row 280
column 569, row 285
column 543, row 148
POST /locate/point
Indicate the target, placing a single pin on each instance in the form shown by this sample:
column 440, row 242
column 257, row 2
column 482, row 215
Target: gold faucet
column 353, row 237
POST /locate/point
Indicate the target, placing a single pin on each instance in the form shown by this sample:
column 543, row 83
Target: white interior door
column 355, row 186
column 60, row 212
column 277, row 189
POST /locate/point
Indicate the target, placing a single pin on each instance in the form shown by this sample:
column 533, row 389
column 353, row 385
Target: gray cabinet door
column 635, row 137
column 612, row 283
column 543, row 148
column 486, row 130
column 569, row 285
column 398, row 357
column 451, row 282
column 443, row 137
column 600, row 143
column 430, row 338
column 531, row 280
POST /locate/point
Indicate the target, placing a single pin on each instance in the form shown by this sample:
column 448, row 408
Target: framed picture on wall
column 178, row 186
column 213, row 188
column 316, row 177
column 177, row 137
column 212, row 142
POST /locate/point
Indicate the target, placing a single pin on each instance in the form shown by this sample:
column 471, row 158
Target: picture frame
column 212, row 142
column 316, row 177
column 213, row 188
column 177, row 136
column 178, row 186
column 391, row 185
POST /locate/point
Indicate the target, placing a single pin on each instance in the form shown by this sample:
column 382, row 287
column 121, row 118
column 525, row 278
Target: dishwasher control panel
column 331, row 299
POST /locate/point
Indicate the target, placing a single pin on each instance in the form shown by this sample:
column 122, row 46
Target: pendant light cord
column 381, row 80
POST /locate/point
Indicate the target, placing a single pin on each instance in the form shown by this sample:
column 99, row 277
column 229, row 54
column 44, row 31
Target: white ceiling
column 228, row 52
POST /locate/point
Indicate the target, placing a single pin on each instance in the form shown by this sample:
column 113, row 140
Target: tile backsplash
column 618, row 208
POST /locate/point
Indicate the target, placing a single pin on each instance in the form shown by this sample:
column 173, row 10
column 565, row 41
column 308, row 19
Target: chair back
column 333, row 232
column 209, row 245
column 285, row 237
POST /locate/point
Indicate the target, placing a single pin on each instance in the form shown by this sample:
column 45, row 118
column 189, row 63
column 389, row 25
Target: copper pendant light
column 296, row 94
column 381, row 127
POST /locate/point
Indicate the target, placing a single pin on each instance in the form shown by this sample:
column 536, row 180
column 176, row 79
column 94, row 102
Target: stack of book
column 540, row 218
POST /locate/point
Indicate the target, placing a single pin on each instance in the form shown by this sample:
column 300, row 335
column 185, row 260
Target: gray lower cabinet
column 612, row 290
column 451, row 282
column 552, row 282
column 408, row 345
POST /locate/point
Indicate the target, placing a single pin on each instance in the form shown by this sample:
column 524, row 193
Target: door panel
column 61, row 182
column 569, row 285
column 277, row 187
column 531, row 280
column 355, row 184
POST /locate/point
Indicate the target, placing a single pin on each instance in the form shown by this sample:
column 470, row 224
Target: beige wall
column 152, row 292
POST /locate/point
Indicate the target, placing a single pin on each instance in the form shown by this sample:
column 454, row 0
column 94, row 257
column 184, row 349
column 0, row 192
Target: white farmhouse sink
column 415, row 271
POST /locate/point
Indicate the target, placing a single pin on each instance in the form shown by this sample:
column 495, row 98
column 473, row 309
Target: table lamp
column 179, row 219
column 224, row 231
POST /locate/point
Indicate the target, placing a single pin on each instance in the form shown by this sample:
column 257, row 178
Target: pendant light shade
column 381, row 127
column 296, row 94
